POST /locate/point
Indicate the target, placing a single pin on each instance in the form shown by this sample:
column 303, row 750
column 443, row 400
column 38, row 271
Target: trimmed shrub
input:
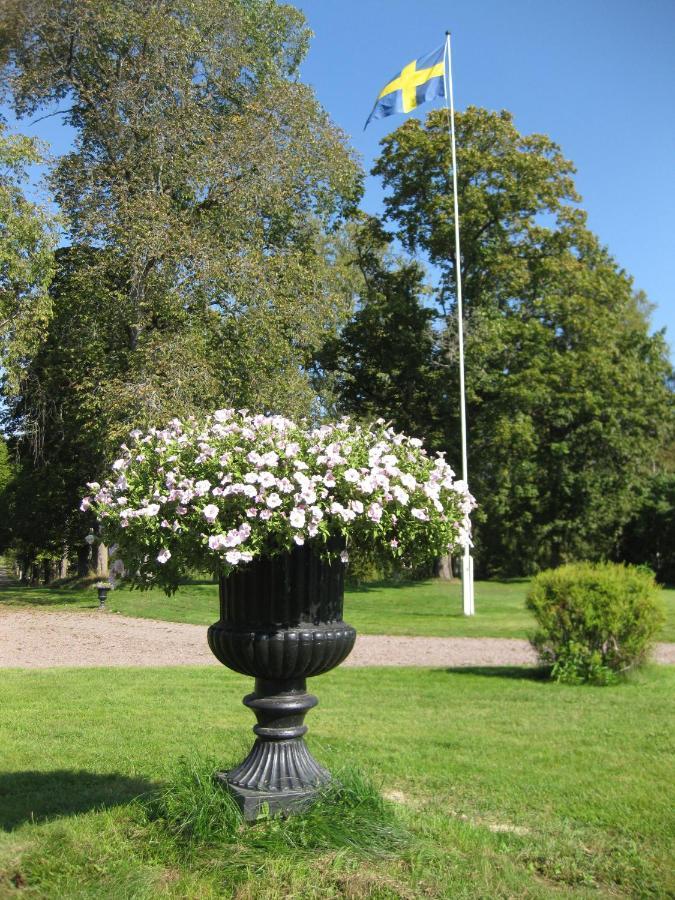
column 595, row 621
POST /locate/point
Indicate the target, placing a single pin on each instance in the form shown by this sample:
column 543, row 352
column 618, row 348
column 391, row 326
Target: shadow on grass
column 39, row 796
column 365, row 587
column 525, row 673
column 21, row 595
column 516, row 579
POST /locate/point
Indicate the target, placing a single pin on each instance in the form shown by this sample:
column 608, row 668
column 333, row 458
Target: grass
column 422, row 608
column 504, row 785
column 349, row 813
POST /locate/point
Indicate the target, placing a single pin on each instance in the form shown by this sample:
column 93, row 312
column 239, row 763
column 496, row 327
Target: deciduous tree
column 27, row 239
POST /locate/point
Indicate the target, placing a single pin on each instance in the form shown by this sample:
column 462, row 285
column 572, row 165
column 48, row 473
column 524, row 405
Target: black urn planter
column 280, row 622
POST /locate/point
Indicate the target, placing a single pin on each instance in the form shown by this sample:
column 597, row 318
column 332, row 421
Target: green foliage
column 367, row 566
column 384, row 360
column 594, row 622
column 27, row 240
column 5, row 465
column 5, row 476
column 568, row 394
column 649, row 536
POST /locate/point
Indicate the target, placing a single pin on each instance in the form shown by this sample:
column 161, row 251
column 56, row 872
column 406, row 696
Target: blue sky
column 598, row 76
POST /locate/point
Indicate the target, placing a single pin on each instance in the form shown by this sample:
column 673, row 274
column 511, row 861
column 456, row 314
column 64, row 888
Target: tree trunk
column 83, row 558
column 47, row 571
column 102, row 561
column 444, row 568
column 63, row 565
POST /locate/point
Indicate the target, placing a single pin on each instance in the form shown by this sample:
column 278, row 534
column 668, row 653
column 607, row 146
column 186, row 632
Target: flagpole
column 467, row 560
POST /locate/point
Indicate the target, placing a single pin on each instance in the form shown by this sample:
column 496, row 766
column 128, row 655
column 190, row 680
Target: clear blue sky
column 598, row 76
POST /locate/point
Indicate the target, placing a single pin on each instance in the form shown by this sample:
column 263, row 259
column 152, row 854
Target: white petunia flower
column 202, row 488
column 266, row 479
column 375, row 512
column 210, row 513
column 408, row 481
column 400, row 495
column 297, row 518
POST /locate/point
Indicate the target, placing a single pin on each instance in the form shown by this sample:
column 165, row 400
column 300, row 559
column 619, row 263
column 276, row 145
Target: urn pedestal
column 280, row 622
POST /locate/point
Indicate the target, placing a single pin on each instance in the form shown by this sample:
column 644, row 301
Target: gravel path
column 35, row 639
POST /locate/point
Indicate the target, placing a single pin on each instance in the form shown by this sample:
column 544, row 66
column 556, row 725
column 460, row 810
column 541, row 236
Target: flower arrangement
column 217, row 493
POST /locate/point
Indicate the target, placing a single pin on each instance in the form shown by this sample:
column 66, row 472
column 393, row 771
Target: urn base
column 279, row 770
column 253, row 803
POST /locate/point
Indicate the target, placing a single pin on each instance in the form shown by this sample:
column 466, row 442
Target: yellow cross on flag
column 419, row 81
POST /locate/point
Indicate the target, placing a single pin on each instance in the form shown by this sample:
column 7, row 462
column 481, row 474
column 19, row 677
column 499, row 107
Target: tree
column 384, row 358
column 648, row 537
column 567, row 391
column 26, row 257
column 5, row 478
column 198, row 196
column 201, row 163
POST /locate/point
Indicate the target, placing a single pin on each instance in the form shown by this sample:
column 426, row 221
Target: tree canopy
column 203, row 166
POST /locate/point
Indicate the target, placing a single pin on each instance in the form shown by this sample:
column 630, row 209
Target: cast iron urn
column 281, row 622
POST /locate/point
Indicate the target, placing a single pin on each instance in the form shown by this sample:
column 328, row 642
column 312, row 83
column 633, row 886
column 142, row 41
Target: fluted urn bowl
column 281, row 622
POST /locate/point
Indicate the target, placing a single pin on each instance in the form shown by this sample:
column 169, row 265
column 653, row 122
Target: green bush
column 595, row 621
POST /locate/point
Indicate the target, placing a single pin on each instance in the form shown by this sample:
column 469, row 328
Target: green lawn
column 511, row 786
column 423, row 608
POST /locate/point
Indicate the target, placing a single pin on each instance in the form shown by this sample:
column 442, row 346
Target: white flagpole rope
column 467, row 561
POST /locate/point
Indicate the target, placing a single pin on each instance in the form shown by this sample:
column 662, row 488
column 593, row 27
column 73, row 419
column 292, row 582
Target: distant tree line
column 211, row 252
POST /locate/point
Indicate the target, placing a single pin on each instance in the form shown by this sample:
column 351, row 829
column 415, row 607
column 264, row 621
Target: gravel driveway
column 35, row 639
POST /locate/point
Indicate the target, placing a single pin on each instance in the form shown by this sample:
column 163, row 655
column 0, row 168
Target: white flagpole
column 467, row 560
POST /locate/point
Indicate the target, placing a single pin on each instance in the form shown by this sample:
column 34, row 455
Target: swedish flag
column 419, row 81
